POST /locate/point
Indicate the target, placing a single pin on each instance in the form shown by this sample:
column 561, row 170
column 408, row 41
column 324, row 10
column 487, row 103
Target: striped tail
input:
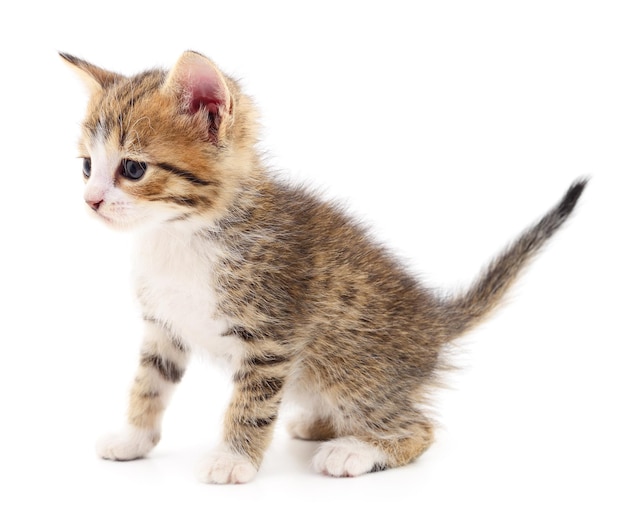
column 469, row 308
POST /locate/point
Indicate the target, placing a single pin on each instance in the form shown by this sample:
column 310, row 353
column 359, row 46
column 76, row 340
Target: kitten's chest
column 174, row 279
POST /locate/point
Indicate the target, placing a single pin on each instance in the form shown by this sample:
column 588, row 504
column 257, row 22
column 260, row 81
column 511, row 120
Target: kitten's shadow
column 285, row 457
column 288, row 456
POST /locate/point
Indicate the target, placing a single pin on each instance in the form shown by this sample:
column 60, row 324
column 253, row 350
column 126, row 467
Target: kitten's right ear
column 94, row 77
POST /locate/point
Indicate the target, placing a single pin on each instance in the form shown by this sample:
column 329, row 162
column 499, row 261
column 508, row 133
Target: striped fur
column 283, row 287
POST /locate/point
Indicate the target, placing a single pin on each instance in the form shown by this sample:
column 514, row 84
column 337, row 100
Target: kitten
column 289, row 291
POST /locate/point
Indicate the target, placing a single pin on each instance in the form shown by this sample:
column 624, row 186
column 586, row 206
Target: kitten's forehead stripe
column 102, row 128
column 118, row 103
column 123, row 132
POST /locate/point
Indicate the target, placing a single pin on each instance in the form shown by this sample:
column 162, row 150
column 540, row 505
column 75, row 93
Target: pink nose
column 95, row 205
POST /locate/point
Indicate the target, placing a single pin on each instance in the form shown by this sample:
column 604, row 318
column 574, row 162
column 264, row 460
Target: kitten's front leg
column 250, row 417
column 162, row 363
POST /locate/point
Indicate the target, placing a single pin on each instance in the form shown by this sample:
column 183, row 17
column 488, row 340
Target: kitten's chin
column 118, row 226
column 116, row 223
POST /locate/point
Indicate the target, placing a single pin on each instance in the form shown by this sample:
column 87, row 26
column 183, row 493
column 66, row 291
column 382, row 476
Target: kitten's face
column 136, row 156
column 161, row 148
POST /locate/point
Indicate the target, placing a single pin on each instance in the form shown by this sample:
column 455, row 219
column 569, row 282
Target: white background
column 449, row 127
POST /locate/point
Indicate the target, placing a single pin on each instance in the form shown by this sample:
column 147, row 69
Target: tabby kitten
column 289, row 291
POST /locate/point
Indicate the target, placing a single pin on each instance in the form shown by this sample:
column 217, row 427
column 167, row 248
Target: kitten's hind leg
column 161, row 366
column 310, row 428
column 354, row 456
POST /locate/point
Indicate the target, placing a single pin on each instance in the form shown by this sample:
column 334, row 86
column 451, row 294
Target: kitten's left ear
column 200, row 87
column 95, row 78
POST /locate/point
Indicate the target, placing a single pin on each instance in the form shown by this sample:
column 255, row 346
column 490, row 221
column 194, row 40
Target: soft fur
column 283, row 286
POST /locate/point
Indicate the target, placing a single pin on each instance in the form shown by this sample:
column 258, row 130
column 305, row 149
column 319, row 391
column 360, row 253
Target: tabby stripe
column 179, row 200
column 127, row 95
column 136, row 89
column 187, row 175
column 168, row 370
column 177, row 342
column 150, row 395
column 267, row 361
column 101, row 128
column 120, row 122
column 263, row 390
column 259, row 422
column 241, row 333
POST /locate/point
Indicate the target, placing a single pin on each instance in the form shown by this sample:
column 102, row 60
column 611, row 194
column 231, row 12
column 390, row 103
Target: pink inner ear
column 205, row 91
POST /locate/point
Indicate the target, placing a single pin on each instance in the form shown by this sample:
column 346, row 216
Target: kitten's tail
column 468, row 309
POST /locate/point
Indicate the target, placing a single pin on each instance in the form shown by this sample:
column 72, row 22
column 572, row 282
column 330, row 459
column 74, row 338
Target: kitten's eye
column 131, row 169
column 86, row 167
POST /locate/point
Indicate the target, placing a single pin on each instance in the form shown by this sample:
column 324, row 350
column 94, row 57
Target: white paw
column 131, row 443
column 347, row 457
column 223, row 466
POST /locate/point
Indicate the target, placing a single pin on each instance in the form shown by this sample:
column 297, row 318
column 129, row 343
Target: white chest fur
column 174, row 280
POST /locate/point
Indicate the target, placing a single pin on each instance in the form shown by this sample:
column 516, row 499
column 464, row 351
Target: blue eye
column 133, row 170
column 86, row 167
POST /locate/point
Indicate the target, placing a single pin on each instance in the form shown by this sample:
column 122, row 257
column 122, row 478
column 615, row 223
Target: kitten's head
column 163, row 147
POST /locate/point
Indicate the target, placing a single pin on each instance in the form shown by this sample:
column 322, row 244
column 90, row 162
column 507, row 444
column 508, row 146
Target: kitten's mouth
column 108, row 220
column 117, row 220
column 103, row 217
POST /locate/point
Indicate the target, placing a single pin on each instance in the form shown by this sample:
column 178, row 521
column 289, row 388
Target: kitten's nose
column 95, row 205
